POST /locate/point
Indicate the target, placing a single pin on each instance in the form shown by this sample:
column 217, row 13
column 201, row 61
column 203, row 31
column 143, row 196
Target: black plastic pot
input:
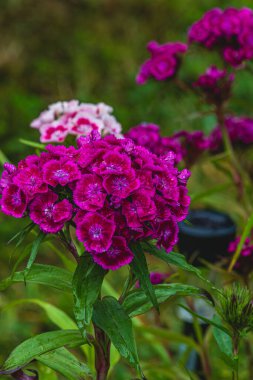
column 206, row 235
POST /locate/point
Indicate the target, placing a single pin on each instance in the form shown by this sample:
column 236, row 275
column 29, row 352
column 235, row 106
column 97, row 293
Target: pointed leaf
column 179, row 261
column 49, row 275
column 140, row 269
column 110, row 316
column 40, row 344
column 137, row 302
column 34, row 251
column 32, row 144
column 87, row 282
column 62, row 361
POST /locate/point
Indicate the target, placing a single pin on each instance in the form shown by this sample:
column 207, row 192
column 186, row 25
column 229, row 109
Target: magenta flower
column 60, row 172
column 228, row 31
column 96, row 232
column 116, row 256
column 215, row 85
column 30, row 180
column 138, row 209
column 49, row 214
column 121, row 185
column 164, row 61
column 13, row 201
column 168, row 234
column 89, row 193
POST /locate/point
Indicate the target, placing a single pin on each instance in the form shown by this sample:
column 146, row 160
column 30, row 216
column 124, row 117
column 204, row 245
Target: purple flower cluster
column 215, row 84
column 183, row 145
column 245, row 262
column 240, row 130
column 113, row 191
column 164, row 62
column 73, row 118
column 149, row 136
column 230, row 31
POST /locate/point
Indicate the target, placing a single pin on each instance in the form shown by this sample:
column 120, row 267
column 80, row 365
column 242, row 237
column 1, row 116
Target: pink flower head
column 116, row 256
column 89, row 193
column 164, row 61
column 215, row 84
column 73, row 118
column 96, row 232
column 49, row 214
column 7, row 175
column 168, row 234
column 138, row 209
column 30, row 180
column 13, row 201
column 121, row 185
column 60, row 172
column 228, row 31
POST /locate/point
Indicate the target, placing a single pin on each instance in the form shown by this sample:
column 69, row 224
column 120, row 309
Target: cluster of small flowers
column 215, row 84
column 240, row 130
column 185, row 145
column 164, row 62
column 149, row 136
column 73, row 118
column 229, row 31
column 245, row 262
column 112, row 190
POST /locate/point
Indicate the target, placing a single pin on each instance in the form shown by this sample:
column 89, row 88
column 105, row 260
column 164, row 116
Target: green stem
column 102, row 353
column 235, row 341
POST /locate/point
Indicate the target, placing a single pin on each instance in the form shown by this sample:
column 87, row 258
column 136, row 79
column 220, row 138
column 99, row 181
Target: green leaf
column 62, row 361
column 34, row 251
column 56, row 315
column 179, row 261
column 33, row 144
column 87, row 282
column 208, row 321
column 140, row 269
column 49, row 275
column 20, row 236
column 137, row 302
column 110, row 316
column 38, row 345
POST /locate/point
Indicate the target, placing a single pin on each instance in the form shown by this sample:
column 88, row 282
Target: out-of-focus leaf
column 49, row 275
column 62, row 361
column 38, row 345
column 110, row 316
column 32, row 144
column 140, row 269
column 137, row 302
column 87, row 282
column 56, row 315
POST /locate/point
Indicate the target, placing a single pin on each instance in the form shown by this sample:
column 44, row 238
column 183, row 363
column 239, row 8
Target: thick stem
column 235, row 341
column 102, row 353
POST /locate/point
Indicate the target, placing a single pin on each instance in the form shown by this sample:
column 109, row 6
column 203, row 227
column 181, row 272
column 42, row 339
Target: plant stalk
column 102, row 353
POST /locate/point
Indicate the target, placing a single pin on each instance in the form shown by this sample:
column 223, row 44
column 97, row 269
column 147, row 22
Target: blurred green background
column 89, row 50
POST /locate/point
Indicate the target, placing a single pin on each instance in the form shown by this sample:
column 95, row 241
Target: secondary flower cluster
column 112, row 190
column 240, row 130
column 229, row 31
column 73, row 118
column 245, row 261
column 164, row 62
column 185, row 145
column 215, row 84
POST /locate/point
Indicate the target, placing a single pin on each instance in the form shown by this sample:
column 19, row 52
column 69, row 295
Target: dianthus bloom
column 149, row 136
column 240, row 130
column 245, row 262
column 156, row 278
column 164, row 62
column 229, row 31
column 73, row 118
column 215, row 85
column 113, row 191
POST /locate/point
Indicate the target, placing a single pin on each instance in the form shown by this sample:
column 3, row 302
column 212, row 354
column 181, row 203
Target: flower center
column 120, row 183
column 60, row 174
column 96, row 231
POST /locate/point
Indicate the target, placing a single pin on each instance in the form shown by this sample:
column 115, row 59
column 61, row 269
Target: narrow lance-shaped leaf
column 62, row 361
column 87, row 282
column 179, row 261
column 137, row 302
column 34, row 251
column 110, row 316
column 48, row 275
column 40, row 344
column 140, row 269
